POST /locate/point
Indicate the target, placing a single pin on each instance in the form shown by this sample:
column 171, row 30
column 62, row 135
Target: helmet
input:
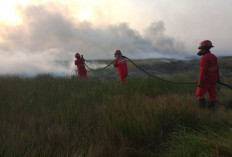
column 117, row 52
column 77, row 55
column 206, row 44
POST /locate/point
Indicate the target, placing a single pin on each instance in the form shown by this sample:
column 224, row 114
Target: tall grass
column 46, row 116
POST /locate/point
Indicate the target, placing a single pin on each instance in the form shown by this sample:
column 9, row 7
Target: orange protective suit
column 208, row 77
column 80, row 63
column 122, row 69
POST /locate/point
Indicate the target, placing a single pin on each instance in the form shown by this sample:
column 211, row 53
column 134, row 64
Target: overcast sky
column 36, row 35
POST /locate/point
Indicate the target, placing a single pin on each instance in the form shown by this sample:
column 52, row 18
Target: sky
column 42, row 36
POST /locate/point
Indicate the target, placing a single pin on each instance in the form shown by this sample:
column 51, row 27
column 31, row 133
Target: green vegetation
column 47, row 116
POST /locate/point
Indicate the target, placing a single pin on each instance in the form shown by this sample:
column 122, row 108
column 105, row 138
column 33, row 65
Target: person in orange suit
column 120, row 63
column 208, row 75
column 80, row 63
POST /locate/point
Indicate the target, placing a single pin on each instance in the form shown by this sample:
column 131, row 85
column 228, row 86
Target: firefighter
column 120, row 63
column 208, row 74
column 80, row 63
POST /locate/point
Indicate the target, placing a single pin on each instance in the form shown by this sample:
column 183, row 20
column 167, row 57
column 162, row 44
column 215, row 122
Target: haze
column 36, row 35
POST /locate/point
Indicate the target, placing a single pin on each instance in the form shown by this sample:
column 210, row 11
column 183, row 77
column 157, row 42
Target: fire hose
column 226, row 85
column 154, row 76
column 99, row 68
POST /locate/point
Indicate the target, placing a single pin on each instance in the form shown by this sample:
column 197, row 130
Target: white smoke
column 31, row 64
column 47, row 41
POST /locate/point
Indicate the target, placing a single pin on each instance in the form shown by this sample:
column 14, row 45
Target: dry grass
column 48, row 116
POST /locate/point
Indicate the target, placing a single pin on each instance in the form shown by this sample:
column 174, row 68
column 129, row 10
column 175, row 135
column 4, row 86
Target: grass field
column 47, row 116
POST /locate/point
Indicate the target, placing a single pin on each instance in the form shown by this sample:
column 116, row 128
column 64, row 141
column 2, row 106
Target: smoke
column 155, row 33
column 47, row 39
column 31, row 64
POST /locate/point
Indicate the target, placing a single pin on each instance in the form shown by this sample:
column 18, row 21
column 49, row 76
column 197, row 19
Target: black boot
column 202, row 102
column 212, row 104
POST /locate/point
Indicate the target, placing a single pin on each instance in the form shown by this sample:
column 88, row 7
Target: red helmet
column 205, row 44
column 77, row 55
column 117, row 52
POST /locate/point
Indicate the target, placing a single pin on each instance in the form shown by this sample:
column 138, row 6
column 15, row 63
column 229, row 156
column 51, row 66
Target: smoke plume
column 47, row 40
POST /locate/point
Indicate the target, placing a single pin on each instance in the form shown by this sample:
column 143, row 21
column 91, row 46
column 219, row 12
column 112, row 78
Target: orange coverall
column 122, row 69
column 208, row 77
column 81, row 68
